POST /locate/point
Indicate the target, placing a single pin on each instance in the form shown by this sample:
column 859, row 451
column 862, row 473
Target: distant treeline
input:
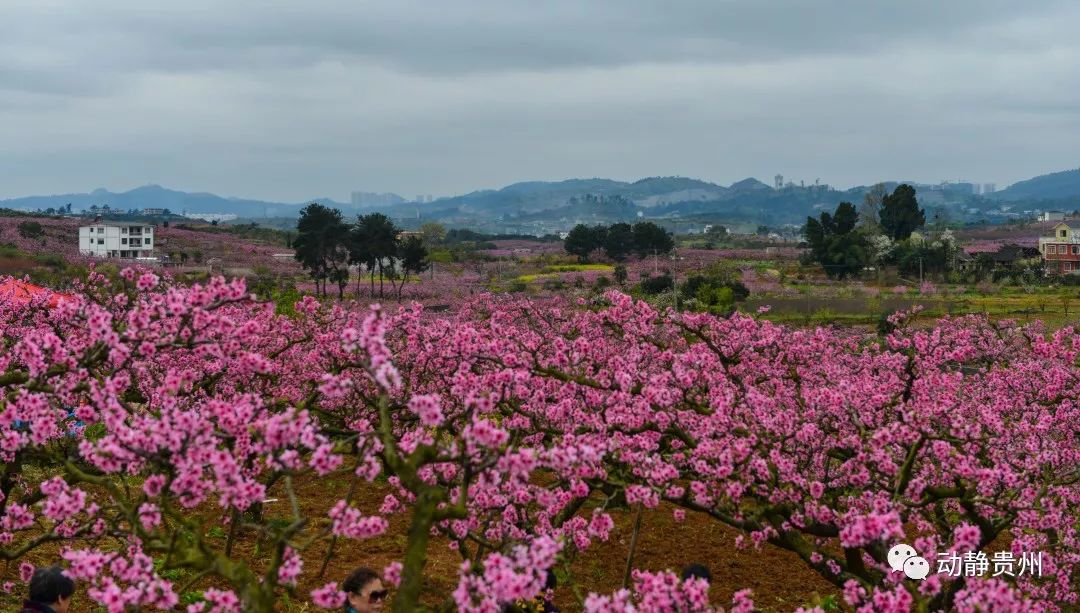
column 458, row 236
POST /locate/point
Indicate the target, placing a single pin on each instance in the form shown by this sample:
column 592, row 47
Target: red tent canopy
column 14, row 291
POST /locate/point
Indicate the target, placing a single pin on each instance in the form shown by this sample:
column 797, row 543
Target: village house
column 1061, row 250
column 109, row 239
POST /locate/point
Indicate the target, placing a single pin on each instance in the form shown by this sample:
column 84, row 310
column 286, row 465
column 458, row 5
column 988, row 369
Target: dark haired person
column 697, row 571
column 50, row 591
column 365, row 592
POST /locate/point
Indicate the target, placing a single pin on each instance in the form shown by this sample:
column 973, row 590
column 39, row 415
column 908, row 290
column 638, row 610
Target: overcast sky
column 298, row 99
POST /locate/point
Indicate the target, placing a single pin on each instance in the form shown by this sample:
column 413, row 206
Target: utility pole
column 655, row 265
column 920, row 270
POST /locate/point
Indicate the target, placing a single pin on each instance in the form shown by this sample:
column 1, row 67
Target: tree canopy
column 900, row 214
column 618, row 241
column 834, row 243
column 322, row 245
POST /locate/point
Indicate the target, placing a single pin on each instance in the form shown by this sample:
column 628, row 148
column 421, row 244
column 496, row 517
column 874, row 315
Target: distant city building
column 976, row 189
column 363, row 199
column 211, row 216
column 1052, row 216
column 153, row 211
column 117, row 240
column 779, row 180
column 989, row 188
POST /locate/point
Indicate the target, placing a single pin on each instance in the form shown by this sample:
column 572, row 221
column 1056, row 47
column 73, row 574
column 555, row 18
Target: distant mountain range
column 560, row 203
column 1053, row 186
column 157, row 197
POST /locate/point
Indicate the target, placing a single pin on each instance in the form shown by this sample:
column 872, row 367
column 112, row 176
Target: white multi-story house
column 110, row 239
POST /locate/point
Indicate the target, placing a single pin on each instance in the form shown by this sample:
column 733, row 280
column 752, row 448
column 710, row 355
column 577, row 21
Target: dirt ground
column 779, row 580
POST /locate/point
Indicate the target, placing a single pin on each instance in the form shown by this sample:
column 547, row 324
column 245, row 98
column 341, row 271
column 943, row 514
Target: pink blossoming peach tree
column 516, row 431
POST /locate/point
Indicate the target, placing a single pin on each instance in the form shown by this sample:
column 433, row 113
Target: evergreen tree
column 413, row 256
column 619, row 241
column 321, row 244
column 581, row 241
column 650, row 239
column 834, row 242
column 900, row 213
column 373, row 242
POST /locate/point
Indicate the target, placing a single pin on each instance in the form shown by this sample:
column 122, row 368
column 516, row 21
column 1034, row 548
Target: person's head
column 697, row 571
column 365, row 591
column 50, row 586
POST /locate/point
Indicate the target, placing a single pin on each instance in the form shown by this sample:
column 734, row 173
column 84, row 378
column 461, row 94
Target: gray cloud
column 289, row 100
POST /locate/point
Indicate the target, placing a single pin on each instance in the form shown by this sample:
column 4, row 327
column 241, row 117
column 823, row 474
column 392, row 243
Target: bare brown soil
column 779, row 580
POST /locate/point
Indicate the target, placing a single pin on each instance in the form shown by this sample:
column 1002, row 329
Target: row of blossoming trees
column 516, row 431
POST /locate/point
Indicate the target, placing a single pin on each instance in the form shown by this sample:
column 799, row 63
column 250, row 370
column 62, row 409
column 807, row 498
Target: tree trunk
column 408, row 593
column 633, row 548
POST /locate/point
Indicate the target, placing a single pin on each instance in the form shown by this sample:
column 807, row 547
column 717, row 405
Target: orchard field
column 187, row 446
column 210, row 436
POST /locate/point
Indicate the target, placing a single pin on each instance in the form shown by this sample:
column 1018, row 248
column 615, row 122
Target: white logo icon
column 916, row 568
column 903, row 558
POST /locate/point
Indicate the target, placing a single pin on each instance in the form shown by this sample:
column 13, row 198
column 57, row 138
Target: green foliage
column 900, row 214
column 94, row 432
column 650, row 239
column 553, row 285
column 433, row 234
column 322, row 245
column 413, row 255
column 583, row 240
column 285, row 300
column 576, row 267
column 31, row 229
column 884, row 326
column 717, row 232
column 620, row 274
column 249, row 230
column 657, row 285
column 912, row 257
column 835, row 244
column 618, row 241
column 262, row 283
column 715, row 289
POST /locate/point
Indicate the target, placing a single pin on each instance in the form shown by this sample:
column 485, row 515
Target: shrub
column 31, row 229
column 657, row 285
column 620, row 274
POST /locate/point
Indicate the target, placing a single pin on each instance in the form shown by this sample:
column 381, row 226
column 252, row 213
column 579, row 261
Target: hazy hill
column 157, row 197
column 1064, row 184
column 535, row 196
column 565, row 201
